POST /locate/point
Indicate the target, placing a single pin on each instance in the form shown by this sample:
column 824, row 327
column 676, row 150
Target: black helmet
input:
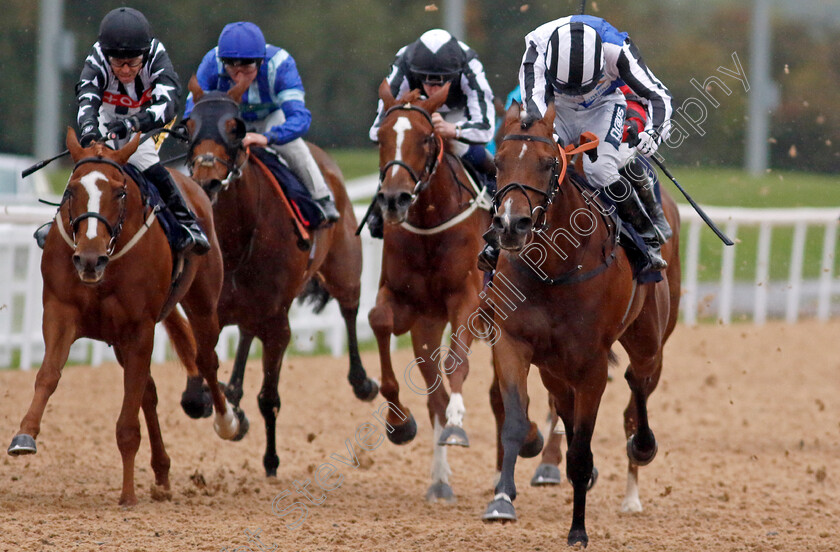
column 125, row 33
column 436, row 56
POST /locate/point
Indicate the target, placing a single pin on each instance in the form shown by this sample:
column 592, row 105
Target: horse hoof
column 546, row 474
column 195, row 400
column 453, row 436
column 244, row 424
column 592, row 479
column 367, row 391
column 637, row 457
column 161, row 493
column 529, row 450
column 578, row 536
column 440, row 492
column 22, row 444
column 500, row 509
column 404, row 433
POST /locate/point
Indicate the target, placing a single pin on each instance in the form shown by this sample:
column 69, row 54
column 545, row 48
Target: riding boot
column 631, row 210
column 328, row 209
column 40, row 234
column 644, row 187
column 193, row 239
column 489, row 256
column 375, row 222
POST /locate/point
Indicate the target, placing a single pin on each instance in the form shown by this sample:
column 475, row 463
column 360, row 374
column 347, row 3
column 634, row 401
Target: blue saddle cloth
column 632, row 242
column 307, row 211
column 151, row 198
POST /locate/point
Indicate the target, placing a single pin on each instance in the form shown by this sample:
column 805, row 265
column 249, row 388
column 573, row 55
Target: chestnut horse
column 429, row 274
column 107, row 270
column 585, row 300
column 264, row 268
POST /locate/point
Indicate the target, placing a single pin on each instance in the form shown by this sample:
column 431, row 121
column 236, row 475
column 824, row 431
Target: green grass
column 356, row 162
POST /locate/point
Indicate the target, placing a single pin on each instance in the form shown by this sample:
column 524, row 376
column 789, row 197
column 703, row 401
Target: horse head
column 216, row 133
column 409, row 149
column 95, row 204
column 528, row 165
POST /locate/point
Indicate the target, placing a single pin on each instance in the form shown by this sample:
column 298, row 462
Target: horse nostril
column 522, row 225
column 497, row 223
column 102, row 262
column 380, row 200
column 77, row 262
column 404, row 200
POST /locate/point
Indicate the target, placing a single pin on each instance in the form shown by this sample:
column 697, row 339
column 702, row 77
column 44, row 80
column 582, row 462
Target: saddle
column 633, row 244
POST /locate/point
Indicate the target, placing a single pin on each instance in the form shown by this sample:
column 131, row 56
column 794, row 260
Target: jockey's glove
column 121, row 128
column 90, row 134
column 647, row 144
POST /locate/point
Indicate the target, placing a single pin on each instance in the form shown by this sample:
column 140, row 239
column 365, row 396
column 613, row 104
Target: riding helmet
column 241, row 40
column 436, row 52
column 125, row 33
column 574, row 58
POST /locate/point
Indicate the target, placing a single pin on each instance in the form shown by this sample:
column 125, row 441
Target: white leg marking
column 400, row 127
column 94, row 196
column 455, row 410
column 631, row 502
column 227, row 424
column 440, row 467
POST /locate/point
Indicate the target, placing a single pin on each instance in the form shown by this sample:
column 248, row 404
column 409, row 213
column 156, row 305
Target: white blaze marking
column 400, row 127
column 506, row 210
column 94, row 195
column 524, row 149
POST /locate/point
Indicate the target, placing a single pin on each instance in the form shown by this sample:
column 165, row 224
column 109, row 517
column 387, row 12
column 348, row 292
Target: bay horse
column 585, row 300
column 107, row 270
column 429, row 277
column 268, row 265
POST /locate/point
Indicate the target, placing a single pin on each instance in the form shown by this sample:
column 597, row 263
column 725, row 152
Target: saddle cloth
column 303, row 206
column 151, row 198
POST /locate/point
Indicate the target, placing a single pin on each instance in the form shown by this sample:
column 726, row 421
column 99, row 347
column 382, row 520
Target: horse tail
column 315, row 294
column 183, row 340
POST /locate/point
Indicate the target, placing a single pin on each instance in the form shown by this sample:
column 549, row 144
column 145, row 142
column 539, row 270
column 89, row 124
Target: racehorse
column 429, row 275
column 107, row 272
column 264, row 269
column 583, row 298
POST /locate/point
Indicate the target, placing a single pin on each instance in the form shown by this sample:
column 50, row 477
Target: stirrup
column 488, row 258
column 655, row 260
column 328, row 209
column 192, row 241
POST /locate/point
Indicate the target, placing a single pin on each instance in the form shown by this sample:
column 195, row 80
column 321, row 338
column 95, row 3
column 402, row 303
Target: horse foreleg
column 384, row 322
column 365, row 388
column 579, row 464
column 456, row 365
column 137, row 356
column 547, row 472
column 511, row 363
column 233, row 389
column 59, row 334
column 275, row 343
column 160, row 460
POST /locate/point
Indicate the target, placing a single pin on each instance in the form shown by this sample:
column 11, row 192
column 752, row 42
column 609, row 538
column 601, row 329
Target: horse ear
column 194, row 87
column 513, row 113
column 76, row 149
column 121, row 155
column 385, row 94
column 438, row 98
column 237, row 91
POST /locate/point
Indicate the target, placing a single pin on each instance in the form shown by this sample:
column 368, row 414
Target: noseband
column 432, row 161
column 540, row 211
column 113, row 231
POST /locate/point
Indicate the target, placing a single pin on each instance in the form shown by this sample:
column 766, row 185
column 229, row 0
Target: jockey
column 128, row 85
column 467, row 117
column 272, row 107
column 579, row 63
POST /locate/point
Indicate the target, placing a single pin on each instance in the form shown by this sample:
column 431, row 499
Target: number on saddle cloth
column 299, row 197
column 151, row 197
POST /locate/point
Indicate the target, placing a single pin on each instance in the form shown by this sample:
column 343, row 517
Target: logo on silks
column 616, row 126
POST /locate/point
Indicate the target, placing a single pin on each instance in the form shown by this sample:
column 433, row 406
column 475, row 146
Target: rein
column 115, row 230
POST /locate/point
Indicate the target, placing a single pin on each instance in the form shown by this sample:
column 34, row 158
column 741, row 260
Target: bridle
column 432, row 161
column 554, row 180
column 113, row 230
column 209, row 160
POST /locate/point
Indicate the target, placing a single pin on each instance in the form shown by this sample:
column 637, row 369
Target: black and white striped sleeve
column 480, row 114
column 398, row 79
column 90, row 87
column 634, row 72
column 536, row 92
column 166, row 90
